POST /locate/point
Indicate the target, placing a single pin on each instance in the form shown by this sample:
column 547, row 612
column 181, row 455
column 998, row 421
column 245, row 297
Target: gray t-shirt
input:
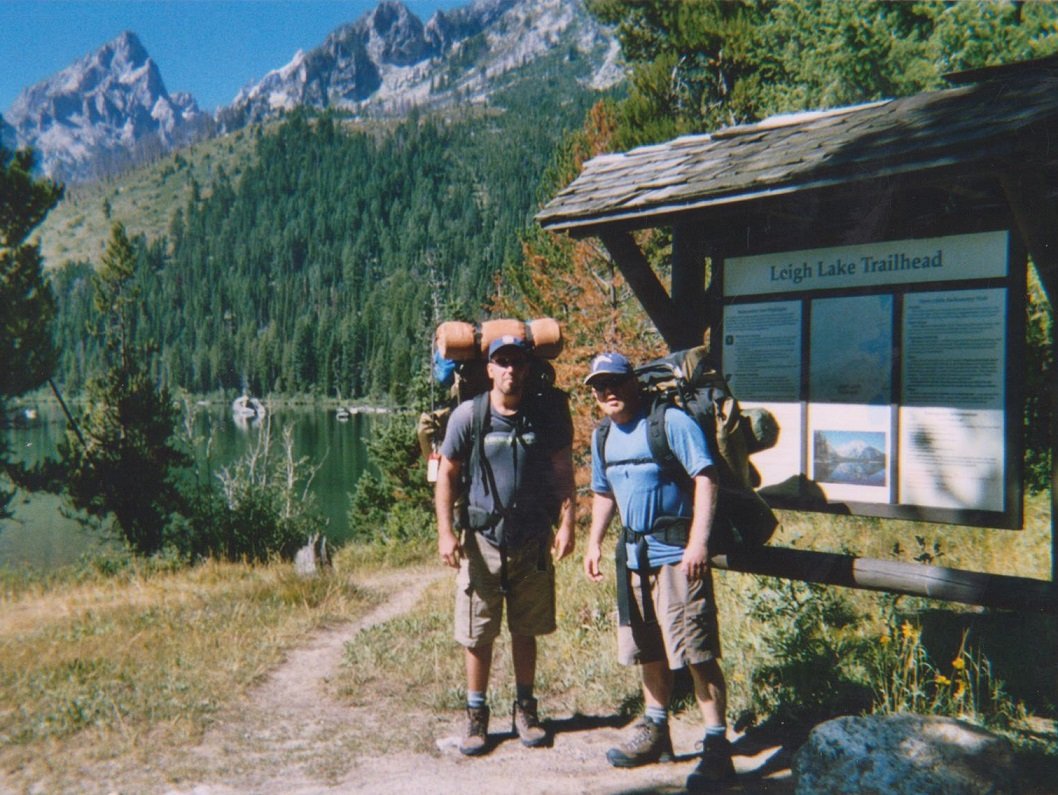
column 518, row 503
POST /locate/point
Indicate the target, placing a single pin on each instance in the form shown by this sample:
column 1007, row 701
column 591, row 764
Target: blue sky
column 210, row 48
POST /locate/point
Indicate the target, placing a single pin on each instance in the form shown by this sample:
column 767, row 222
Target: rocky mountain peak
column 111, row 108
column 98, row 111
column 388, row 61
column 393, row 35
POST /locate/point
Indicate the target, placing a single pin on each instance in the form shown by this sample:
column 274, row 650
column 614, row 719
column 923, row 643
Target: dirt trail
column 290, row 738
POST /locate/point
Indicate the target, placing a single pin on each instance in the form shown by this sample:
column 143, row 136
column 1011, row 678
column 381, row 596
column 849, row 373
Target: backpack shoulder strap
column 602, row 433
column 480, row 422
column 660, row 449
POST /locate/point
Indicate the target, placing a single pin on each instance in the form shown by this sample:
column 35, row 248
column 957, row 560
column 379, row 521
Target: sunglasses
column 601, row 385
column 510, row 361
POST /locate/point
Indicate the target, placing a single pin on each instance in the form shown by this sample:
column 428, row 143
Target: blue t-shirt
column 636, row 482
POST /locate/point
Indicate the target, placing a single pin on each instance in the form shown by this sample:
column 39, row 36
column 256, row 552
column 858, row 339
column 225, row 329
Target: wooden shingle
column 1009, row 114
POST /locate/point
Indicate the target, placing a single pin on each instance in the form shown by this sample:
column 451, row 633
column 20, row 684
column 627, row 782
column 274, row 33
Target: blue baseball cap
column 612, row 364
column 508, row 341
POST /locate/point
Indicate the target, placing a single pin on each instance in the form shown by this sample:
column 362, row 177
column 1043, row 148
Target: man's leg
column 523, row 650
column 478, row 664
column 650, row 740
column 657, row 683
column 525, row 718
column 710, row 690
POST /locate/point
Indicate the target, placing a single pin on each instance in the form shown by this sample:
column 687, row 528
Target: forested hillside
column 319, row 269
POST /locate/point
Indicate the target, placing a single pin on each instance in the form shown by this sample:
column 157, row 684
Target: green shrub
column 396, row 504
column 809, row 633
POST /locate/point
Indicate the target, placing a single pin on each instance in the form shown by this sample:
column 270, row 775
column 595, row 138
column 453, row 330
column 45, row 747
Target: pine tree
column 125, row 458
column 27, row 306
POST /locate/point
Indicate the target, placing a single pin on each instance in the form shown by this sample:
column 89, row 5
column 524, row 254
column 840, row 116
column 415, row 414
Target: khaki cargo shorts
column 479, row 601
column 686, row 632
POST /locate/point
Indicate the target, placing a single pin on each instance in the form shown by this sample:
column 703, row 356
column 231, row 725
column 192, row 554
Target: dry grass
column 99, row 669
column 144, row 198
column 577, row 668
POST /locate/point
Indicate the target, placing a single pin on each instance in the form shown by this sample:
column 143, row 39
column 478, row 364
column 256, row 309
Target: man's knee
column 709, row 672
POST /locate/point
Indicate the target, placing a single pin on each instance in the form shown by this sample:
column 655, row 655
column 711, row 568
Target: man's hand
column 449, row 549
column 565, row 541
column 592, row 560
column 444, row 500
column 695, row 562
column 603, row 508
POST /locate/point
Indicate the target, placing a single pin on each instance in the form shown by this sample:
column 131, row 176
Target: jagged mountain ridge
column 388, row 61
column 110, row 109
column 107, row 107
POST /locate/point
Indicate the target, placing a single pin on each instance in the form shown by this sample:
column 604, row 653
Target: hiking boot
column 476, row 739
column 715, row 766
column 526, row 723
column 650, row 742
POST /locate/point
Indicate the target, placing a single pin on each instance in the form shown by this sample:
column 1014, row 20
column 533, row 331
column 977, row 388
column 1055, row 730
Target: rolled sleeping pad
column 460, row 341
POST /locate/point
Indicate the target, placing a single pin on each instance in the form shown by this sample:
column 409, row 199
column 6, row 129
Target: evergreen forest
column 321, row 270
column 324, row 267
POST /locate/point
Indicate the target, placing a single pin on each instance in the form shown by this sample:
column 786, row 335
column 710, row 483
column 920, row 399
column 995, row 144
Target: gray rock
column 312, row 557
column 904, row 755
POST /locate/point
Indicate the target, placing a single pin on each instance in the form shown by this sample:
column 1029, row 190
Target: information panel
column 886, row 365
column 952, row 411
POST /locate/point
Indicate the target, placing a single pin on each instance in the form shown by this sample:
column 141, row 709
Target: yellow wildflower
column 942, row 680
column 885, row 639
column 960, row 688
column 958, row 663
column 908, row 631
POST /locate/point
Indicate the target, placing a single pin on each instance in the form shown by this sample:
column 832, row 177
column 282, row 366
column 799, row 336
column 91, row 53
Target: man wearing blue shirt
column 668, row 613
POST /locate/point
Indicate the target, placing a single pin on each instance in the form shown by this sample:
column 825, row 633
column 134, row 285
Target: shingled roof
column 997, row 120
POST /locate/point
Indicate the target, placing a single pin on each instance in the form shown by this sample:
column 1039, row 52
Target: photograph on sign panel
column 855, row 458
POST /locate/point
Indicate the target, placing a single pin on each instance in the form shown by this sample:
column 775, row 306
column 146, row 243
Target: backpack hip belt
column 672, row 530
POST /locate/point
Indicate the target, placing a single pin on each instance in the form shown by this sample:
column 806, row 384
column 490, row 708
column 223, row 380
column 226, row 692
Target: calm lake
column 41, row 535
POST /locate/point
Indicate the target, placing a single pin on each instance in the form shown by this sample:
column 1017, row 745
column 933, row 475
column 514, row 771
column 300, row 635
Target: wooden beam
column 645, row 284
column 1037, row 221
column 688, row 280
column 914, row 579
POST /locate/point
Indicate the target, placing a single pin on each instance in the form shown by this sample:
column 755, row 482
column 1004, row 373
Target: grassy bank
column 126, row 659
column 98, row 665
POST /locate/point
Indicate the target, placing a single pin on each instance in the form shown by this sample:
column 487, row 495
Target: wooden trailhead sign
column 861, row 272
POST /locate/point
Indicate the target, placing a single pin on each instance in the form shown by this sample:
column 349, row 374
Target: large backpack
column 541, row 401
column 542, row 405
column 686, row 380
column 459, row 367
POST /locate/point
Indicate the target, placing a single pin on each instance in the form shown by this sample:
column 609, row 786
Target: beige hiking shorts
column 479, row 600
column 686, row 632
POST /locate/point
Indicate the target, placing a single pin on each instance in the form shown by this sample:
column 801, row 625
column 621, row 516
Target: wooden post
column 1037, row 220
column 1054, row 459
column 645, row 284
column 688, row 282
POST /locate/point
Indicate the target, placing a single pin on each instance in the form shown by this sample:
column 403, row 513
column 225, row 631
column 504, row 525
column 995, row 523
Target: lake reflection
column 40, row 536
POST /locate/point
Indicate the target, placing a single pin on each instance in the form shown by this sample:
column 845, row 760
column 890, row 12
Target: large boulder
column 904, row 755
